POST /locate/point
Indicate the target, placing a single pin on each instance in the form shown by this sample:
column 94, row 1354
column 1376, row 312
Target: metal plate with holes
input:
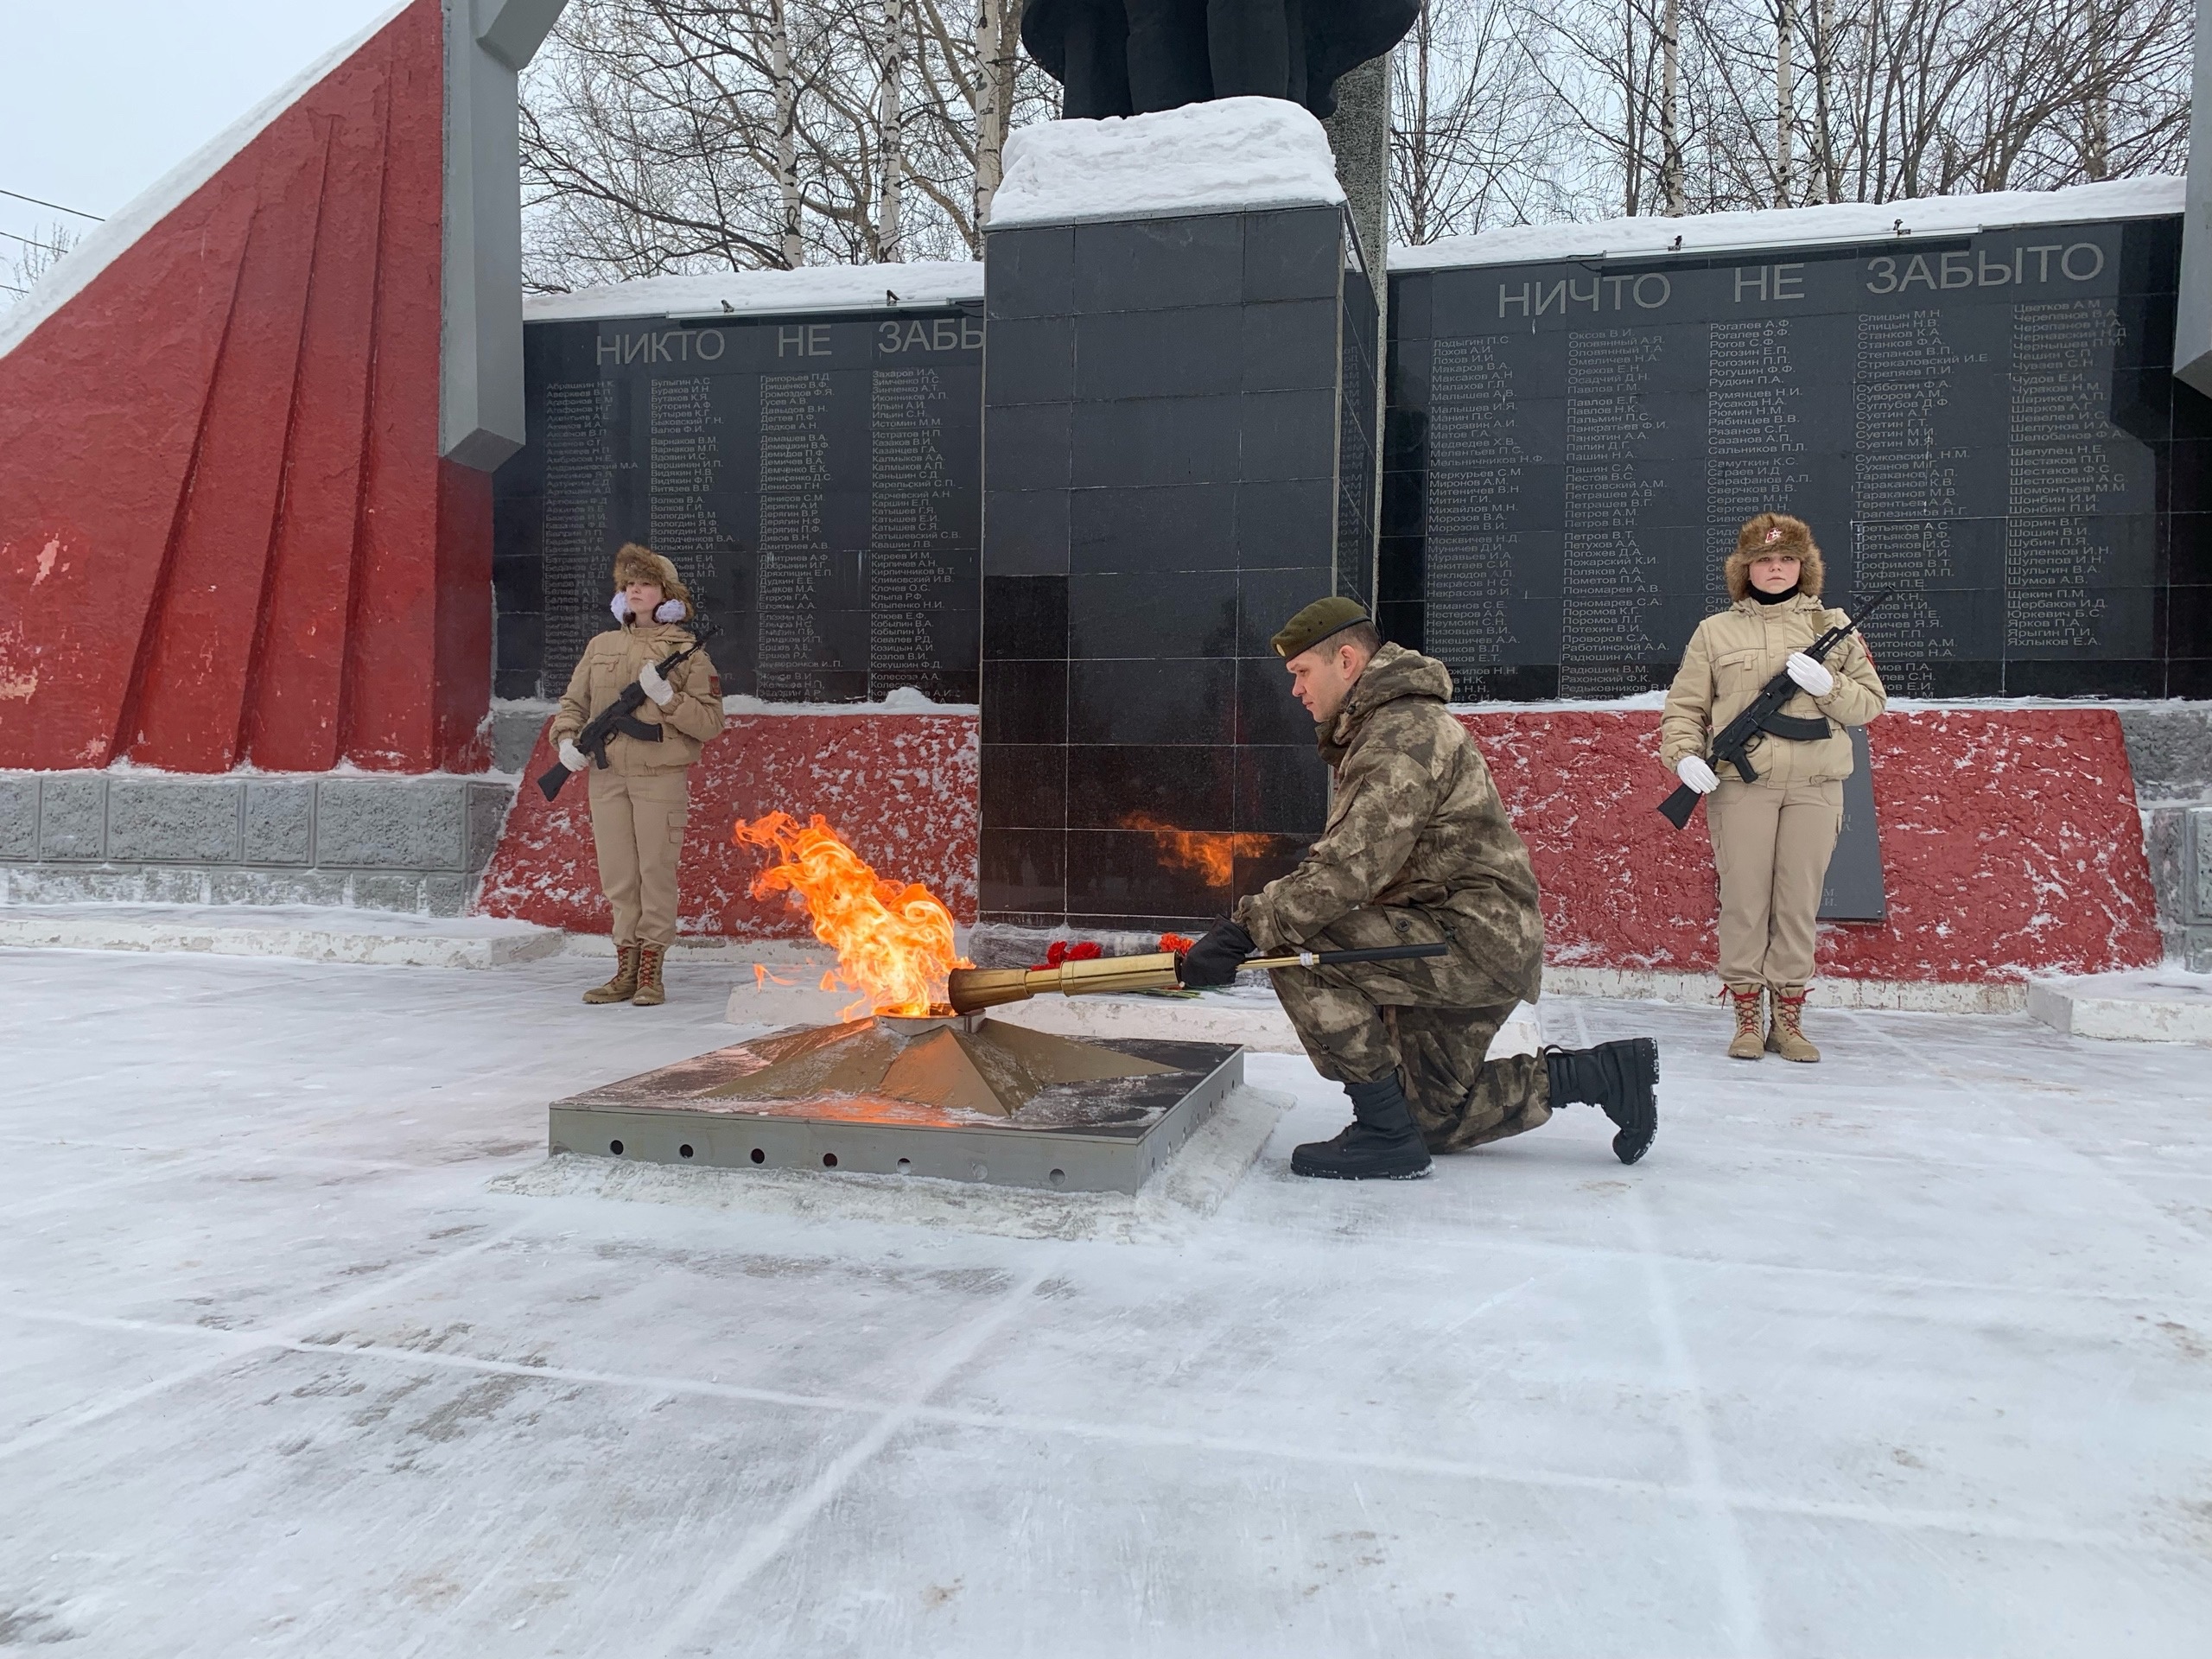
column 660, row 1117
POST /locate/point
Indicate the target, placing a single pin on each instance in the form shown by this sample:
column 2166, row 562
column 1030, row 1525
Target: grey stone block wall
column 515, row 727
column 2170, row 752
column 18, row 816
column 2179, row 842
column 72, row 816
column 192, row 823
column 2169, row 749
column 412, row 844
column 279, row 822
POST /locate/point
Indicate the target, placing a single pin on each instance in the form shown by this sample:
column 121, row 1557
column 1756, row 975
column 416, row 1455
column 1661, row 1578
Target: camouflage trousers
column 1364, row 1020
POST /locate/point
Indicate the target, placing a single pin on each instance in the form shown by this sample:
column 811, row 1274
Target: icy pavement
column 1907, row 1353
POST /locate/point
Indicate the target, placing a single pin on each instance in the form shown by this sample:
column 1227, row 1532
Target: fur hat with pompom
column 1775, row 533
column 635, row 563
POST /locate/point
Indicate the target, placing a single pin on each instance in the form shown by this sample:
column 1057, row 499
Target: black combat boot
column 1622, row 1079
column 1381, row 1142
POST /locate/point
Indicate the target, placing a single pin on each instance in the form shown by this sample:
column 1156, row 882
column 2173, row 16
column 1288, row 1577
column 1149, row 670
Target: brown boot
column 1786, row 1037
column 651, row 993
column 619, row 988
column 1745, row 1045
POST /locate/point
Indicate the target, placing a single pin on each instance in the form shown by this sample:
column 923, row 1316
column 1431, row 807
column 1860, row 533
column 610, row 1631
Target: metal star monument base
column 960, row 1097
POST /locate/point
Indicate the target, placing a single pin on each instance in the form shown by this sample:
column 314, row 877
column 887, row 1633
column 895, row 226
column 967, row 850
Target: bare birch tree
column 1670, row 91
column 34, row 256
column 1471, row 136
column 682, row 135
column 890, row 131
column 997, row 62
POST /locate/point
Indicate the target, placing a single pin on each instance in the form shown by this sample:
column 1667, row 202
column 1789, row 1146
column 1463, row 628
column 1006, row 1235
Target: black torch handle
column 1331, row 958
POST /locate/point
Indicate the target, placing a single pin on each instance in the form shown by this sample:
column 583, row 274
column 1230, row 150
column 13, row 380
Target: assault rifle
column 620, row 717
column 1765, row 714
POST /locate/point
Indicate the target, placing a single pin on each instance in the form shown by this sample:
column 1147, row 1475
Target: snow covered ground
column 1907, row 1353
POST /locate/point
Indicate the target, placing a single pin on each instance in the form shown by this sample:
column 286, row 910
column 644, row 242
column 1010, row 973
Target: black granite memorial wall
column 1178, row 454
column 815, row 479
column 1987, row 422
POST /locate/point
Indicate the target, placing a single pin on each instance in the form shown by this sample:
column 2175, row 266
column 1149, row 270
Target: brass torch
column 970, row 988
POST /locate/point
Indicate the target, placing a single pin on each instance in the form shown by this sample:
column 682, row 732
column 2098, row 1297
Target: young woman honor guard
column 640, row 798
column 1771, row 837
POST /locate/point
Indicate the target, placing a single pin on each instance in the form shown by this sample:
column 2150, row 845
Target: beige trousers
column 637, row 825
column 1771, row 844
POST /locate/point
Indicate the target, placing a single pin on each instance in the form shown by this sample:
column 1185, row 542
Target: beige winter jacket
column 1733, row 654
column 610, row 662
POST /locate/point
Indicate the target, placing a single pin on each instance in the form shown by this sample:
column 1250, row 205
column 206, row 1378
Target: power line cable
column 36, row 201
column 44, row 247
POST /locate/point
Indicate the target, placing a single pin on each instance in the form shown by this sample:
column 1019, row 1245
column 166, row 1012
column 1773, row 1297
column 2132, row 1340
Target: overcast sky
column 97, row 101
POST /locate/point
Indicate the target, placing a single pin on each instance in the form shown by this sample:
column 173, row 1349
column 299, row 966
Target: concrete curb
column 2156, row 1006
column 396, row 941
column 1701, row 990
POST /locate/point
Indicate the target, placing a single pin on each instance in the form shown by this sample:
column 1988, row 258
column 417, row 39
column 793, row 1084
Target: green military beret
column 1316, row 623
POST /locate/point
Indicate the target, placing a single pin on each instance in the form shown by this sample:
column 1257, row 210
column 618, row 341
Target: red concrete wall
column 226, row 533
column 900, row 788
column 2010, row 839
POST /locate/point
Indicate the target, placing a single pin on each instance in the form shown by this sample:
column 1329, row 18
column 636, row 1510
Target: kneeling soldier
column 640, row 797
column 1418, row 850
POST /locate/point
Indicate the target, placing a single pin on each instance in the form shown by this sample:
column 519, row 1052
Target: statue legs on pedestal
column 1130, row 57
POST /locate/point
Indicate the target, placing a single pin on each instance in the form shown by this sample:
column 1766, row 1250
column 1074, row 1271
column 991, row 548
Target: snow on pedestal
column 1228, row 156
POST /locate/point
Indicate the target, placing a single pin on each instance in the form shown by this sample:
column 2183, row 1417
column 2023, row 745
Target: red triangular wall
column 225, row 534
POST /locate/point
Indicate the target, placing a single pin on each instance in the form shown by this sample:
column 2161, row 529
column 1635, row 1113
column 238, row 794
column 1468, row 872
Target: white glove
column 659, row 689
column 1693, row 770
column 572, row 757
column 1809, row 675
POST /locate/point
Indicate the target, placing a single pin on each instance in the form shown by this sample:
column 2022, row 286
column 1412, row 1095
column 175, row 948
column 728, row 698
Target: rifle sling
column 631, row 726
column 1796, row 729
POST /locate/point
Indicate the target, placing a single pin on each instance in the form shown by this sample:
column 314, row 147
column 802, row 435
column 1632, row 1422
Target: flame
column 1212, row 855
column 894, row 943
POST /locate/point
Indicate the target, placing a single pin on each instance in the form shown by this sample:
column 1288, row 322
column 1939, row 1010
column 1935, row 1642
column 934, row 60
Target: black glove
column 1215, row 959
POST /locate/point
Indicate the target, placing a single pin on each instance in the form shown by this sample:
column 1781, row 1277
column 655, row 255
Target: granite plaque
column 1178, row 454
column 1985, row 422
column 815, row 479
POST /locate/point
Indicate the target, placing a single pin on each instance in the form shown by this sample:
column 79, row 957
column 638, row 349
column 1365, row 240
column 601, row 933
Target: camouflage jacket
column 1415, row 821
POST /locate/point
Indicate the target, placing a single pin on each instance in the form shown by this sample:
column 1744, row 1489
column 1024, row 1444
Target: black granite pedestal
column 1178, row 455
